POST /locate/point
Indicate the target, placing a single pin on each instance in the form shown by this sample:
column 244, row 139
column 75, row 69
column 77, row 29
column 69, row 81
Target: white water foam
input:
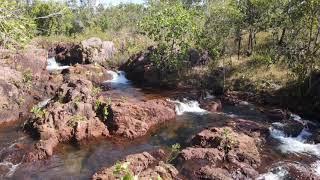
column 188, row 106
column 54, row 66
column 295, row 144
column 43, row 103
column 12, row 167
column 118, row 77
column 277, row 173
column 278, row 124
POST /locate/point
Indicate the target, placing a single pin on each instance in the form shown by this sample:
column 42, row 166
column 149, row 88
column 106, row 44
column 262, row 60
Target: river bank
column 90, row 116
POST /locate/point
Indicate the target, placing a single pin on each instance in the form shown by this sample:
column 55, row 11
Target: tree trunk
column 238, row 40
column 250, row 42
column 281, row 40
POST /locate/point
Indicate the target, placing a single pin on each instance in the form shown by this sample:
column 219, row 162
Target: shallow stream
column 279, row 154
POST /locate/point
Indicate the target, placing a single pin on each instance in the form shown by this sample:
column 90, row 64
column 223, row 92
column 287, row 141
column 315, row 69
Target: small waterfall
column 277, row 173
column 187, row 106
column 54, row 66
column 118, row 77
column 295, row 144
column 43, row 103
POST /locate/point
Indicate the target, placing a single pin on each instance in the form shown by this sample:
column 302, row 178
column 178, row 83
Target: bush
column 52, row 18
column 173, row 28
column 15, row 27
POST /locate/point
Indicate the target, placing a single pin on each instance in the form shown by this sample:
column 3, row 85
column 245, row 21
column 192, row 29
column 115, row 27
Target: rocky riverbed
column 70, row 116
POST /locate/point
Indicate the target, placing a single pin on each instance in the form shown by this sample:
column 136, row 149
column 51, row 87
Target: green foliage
column 38, row 112
column 174, row 151
column 228, row 141
column 172, row 26
column 118, row 17
column 27, row 76
column 74, row 120
column 96, row 91
column 262, row 59
column 52, row 17
column 103, row 107
column 15, row 27
column 221, row 21
column 122, row 171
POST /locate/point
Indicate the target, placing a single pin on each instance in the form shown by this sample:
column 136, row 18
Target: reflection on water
column 80, row 162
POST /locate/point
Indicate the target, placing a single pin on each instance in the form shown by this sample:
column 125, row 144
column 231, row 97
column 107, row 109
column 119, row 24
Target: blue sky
column 115, row 2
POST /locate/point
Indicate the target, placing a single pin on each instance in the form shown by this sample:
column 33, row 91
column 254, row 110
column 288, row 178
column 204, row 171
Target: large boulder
column 93, row 72
column 32, row 59
column 230, row 152
column 70, row 117
column 93, row 50
column 97, row 50
column 211, row 105
column 132, row 118
column 141, row 69
column 144, row 165
column 18, row 73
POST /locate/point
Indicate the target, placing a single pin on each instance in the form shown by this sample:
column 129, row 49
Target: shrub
column 172, row 27
column 38, row 112
column 16, row 28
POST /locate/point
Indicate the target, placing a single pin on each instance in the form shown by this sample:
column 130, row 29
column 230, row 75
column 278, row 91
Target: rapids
column 53, row 65
column 81, row 161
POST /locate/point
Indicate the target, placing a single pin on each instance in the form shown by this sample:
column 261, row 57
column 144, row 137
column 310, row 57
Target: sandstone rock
column 144, row 165
column 140, row 68
column 210, row 105
column 93, row 50
column 292, row 128
column 276, row 114
column 71, row 116
column 223, row 153
column 134, row 119
column 32, row 59
column 208, row 172
column 19, row 71
column 95, row 73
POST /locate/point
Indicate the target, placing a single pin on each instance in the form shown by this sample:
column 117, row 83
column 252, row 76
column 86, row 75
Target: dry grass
column 259, row 75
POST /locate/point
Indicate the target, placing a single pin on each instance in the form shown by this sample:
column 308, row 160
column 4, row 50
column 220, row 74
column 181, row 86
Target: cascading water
column 74, row 163
column 43, row 103
column 188, row 106
column 118, row 77
column 54, row 66
column 295, row 144
column 277, row 173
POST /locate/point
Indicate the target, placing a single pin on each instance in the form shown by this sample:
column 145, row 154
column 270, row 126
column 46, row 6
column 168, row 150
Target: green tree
column 172, row 26
column 52, row 17
column 15, row 27
column 222, row 19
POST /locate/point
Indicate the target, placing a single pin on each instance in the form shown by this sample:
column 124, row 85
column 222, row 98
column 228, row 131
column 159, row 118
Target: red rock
column 210, row 158
column 210, row 105
column 71, row 116
column 134, row 119
column 144, row 165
